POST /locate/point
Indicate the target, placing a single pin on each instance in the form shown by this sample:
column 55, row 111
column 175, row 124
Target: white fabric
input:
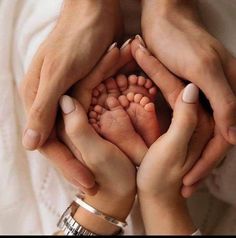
column 33, row 193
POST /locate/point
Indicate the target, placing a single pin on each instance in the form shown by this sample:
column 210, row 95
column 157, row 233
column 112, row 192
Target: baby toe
column 133, row 79
column 141, row 80
column 148, row 84
column 144, row 101
column 138, row 97
column 123, row 101
column 122, row 82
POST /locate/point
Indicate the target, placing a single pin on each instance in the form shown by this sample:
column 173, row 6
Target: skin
column 49, row 77
column 205, row 158
column 154, row 188
column 193, row 54
column 109, row 165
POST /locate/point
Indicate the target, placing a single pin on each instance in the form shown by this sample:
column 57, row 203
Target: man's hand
column 173, row 32
column 78, row 41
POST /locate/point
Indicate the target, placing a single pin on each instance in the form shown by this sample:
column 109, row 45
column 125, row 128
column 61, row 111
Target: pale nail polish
column 125, row 44
column 190, row 94
column 31, row 139
column 232, row 133
column 112, row 46
column 67, row 104
column 140, row 40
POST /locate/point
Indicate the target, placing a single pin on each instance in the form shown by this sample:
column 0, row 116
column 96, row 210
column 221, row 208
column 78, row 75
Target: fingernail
column 112, row 46
column 190, row 94
column 143, row 49
column 140, row 40
column 125, row 44
column 67, row 104
column 232, row 133
column 31, row 139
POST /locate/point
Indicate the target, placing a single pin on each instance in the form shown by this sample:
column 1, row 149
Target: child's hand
column 162, row 169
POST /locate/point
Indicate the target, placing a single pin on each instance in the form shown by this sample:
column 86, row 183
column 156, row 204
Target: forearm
column 164, row 217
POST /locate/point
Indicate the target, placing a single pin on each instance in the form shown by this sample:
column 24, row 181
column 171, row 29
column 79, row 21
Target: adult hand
column 159, row 178
column 173, row 33
column 66, row 56
column 214, row 149
column 101, row 157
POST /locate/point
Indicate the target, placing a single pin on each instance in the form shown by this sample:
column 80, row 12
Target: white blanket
column 32, row 193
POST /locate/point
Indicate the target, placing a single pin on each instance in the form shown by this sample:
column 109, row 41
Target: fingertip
column 188, row 191
column 190, row 94
column 67, row 104
column 31, row 139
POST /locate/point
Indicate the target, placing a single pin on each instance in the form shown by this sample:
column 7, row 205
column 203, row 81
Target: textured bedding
column 32, row 193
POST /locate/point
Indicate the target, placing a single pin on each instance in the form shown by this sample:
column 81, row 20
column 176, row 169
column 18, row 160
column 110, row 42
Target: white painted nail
column 67, row 104
column 191, row 93
column 140, row 40
column 112, row 46
column 126, row 43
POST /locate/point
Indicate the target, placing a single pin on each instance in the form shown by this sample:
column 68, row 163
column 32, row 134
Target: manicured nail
column 140, row 40
column 143, row 49
column 112, row 46
column 232, row 133
column 31, row 139
column 67, row 104
column 190, row 94
column 125, row 44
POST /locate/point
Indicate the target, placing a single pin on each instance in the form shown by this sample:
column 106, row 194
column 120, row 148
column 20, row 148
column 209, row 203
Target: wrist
column 171, row 215
column 116, row 207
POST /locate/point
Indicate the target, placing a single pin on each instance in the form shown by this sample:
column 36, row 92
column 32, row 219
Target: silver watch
column 70, row 226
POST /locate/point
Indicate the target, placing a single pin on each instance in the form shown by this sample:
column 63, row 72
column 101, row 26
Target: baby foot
column 104, row 90
column 115, row 125
column 136, row 84
column 143, row 116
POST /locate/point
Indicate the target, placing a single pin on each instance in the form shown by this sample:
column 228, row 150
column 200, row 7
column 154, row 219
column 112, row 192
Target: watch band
column 70, row 226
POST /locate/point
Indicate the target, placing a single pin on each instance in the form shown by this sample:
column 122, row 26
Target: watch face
column 65, row 215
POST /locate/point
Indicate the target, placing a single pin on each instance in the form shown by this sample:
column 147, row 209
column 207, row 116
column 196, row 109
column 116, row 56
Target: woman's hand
column 114, row 173
column 208, row 146
column 79, row 39
column 160, row 175
column 173, row 32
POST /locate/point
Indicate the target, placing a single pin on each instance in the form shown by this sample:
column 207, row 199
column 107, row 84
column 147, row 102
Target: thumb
column 185, row 115
column 41, row 117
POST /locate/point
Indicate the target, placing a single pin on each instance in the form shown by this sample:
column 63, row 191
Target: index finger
column 169, row 84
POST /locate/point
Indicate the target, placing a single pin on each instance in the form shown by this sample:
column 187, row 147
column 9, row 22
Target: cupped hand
column 67, row 55
column 208, row 147
column 166, row 162
column 174, row 34
column 111, row 63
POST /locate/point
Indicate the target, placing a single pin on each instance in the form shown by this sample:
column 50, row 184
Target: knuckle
column 37, row 112
column 204, row 61
column 230, row 105
column 190, row 120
